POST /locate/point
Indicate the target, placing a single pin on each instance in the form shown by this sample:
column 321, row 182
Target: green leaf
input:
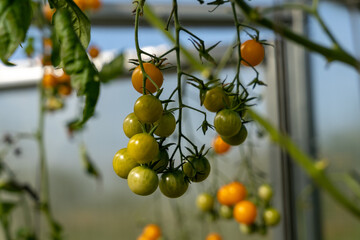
column 6, row 208
column 15, row 19
column 79, row 20
column 76, row 63
column 113, row 69
column 88, row 164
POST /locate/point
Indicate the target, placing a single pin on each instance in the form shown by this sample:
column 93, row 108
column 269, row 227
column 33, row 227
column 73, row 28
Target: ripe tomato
column 166, row 125
column 148, row 109
column 93, row 4
column 245, row 212
column 197, row 169
column 173, row 184
column 48, row 12
column 81, row 4
column 93, row 51
column 238, row 138
column 63, row 79
column 122, row 163
column 231, row 193
column 265, row 192
column 220, row 147
column 213, row 236
column 152, row 231
column 215, row 99
column 131, row 125
column 253, row 52
column 154, row 73
column 271, row 217
column 161, row 162
column 142, row 180
column 227, row 123
column 226, row 212
column 64, row 90
column 205, row 202
column 143, row 148
column 142, row 237
column 49, row 81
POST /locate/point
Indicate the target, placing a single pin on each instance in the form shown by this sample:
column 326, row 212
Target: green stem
column 307, row 163
column 331, row 54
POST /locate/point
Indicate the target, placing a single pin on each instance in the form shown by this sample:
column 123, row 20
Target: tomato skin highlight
column 245, row 212
column 205, row 202
column 142, row 180
column 123, row 164
column 215, row 99
column 154, row 73
column 227, row 123
column 271, row 217
column 252, row 52
column 197, row 169
column 238, row 138
column 213, row 236
column 143, row 148
column 265, row 192
column 220, row 146
column 173, row 184
column 166, row 125
column 131, row 125
column 148, row 109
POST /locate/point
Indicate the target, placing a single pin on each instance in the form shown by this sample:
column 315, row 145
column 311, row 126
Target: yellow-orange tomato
column 49, row 80
column 213, row 236
column 63, row 79
column 154, row 73
column 152, row 231
column 94, row 4
column 231, row 193
column 142, row 237
column 245, row 212
column 220, row 147
column 93, row 51
column 81, row 4
column 64, row 90
column 252, row 52
column 48, row 12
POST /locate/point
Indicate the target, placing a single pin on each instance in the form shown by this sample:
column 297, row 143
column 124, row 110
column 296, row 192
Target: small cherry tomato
column 143, row 148
column 231, row 193
column 166, row 125
column 48, row 12
column 220, row 147
column 122, row 163
column 246, row 229
column 152, row 231
column 49, row 81
column 252, row 52
column 161, row 162
column 227, row 123
column 63, row 79
column 173, row 184
column 81, row 4
column 213, row 236
column 142, row 237
column 154, row 73
column 271, row 217
column 245, row 212
column 131, row 125
column 215, row 99
column 205, row 202
column 148, row 109
column 197, row 168
column 93, row 51
column 238, row 138
column 226, row 212
column 64, row 90
column 265, row 192
column 142, row 180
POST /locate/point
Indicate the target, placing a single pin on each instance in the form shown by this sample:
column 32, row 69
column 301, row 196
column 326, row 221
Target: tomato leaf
column 88, row 164
column 76, row 63
column 113, row 69
column 15, row 19
column 79, row 20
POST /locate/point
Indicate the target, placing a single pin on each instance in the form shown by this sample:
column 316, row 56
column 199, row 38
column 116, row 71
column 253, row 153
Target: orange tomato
column 252, row 52
column 213, row 236
column 93, row 51
column 245, row 212
column 81, row 4
column 152, row 231
column 49, row 80
column 220, row 147
column 94, row 4
column 142, row 237
column 231, row 193
column 48, row 12
column 63, row 79
column 154, row 73
column 64, row 90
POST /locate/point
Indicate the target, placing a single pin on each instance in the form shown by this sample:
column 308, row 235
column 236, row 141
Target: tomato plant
column 131, row 125
column 271, row 216
column 165, row 125
column 173, row 183
column 142, row 180
column 213, row 236
column 238, row 138
column 123, row 164
column 197, row 168
column 161, row 162
column 245, row 212
column 205, row 202
column 152, row 231
column 252, row 53
column 265, row 192
column 220, row 146
column 216, row 99
column 148, row 109
column 143, row 148
column 226, row 212
column 153, row 72
column 231, row 193
column 227, row 123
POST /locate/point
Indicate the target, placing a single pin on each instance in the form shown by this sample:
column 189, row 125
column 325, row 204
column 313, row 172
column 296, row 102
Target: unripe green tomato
column 143, row 180
column 161, row 162
column 215, row 99
column 226, row 212
column 122, row 163
column 205, row 202
column 238, row 138
column 131, row 125
column 166, row 125
column 227, row 123
column 265, row 192
column 143, row 148
column 148, row 109
column 197, row 169
column 271, row 217
column 246, row 229
column 173, row 184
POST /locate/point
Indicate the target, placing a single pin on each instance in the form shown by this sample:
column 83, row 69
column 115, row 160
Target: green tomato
column 161, row 162
column 226, row 212
column 271, row 217
column 197, row 169
column 205, row 202
column 227, row 123
column 143, row 180
column 122, row 163
column 148, row 109
column 238, row 138
column 143, row 148
column 215, row 99
column 173, row 184
column 265, row 192
column 166, row 125
column 131, row 125
column 246, row 229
